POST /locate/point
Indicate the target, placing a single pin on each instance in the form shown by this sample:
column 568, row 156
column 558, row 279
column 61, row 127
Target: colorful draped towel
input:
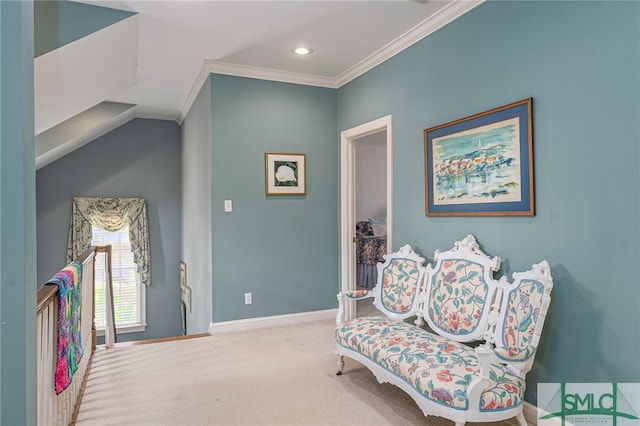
column 69, row 340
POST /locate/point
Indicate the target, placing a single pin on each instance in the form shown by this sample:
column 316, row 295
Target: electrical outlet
column 248, row 299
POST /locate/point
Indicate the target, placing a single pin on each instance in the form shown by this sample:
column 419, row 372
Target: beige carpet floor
column 274, row 376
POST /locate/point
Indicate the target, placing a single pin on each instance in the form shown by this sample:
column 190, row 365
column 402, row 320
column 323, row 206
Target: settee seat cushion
column 439, row 369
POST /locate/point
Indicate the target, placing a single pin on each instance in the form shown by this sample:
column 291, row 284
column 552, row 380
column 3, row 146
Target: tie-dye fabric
column 69, row 337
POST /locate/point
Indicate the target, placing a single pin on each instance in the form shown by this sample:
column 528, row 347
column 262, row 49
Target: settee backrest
column 460, row 291
column 523, row 309
column 399, row 281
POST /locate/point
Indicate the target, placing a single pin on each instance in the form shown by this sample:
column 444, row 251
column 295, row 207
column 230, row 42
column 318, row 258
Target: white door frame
column 348, row 196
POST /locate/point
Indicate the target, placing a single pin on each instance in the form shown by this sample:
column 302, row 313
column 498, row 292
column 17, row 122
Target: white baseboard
column 272, row 321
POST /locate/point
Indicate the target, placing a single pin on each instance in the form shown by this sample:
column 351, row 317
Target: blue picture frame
column 481, row 165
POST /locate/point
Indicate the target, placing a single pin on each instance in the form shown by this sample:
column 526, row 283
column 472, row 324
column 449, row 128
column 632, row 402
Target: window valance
column 111, row 214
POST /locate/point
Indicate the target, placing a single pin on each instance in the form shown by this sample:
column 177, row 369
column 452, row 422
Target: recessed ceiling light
column 302, row 51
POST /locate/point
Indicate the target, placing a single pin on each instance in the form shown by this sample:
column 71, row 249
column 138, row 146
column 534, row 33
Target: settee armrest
column 352, row 295
column 515, row 354
column 358, row 294
column 479, row 384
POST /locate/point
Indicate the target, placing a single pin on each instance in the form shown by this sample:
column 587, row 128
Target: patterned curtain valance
column 111, row 214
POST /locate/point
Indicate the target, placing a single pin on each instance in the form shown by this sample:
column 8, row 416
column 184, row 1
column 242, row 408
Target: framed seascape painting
column 285, row 174
column 481, row 165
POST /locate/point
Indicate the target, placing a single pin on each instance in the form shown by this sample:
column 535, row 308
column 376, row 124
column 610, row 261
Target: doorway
column 381, row 128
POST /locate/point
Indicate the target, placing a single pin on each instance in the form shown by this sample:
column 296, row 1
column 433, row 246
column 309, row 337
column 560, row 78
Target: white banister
column 55, row 409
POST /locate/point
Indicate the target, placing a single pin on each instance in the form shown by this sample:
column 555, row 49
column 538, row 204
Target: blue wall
column 17, row 217
column 196, row 209
column 283, row 249
column 138, row 159
column 580, row 61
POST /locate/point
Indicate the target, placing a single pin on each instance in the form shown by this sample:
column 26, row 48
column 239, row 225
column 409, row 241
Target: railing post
column 110, row 334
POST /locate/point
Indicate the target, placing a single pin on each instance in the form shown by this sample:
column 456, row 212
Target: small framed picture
column 285, row 173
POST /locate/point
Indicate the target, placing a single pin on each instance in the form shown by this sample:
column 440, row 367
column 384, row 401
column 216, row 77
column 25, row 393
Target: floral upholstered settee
column 461, row 303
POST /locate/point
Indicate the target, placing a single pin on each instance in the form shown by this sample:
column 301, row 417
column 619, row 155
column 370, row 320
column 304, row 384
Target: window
column 128, row 294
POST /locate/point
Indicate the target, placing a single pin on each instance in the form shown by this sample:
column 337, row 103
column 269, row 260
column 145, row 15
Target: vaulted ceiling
column 101, row 63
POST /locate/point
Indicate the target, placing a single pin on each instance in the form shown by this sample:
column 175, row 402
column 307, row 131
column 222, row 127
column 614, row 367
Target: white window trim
column 137, row 327
column 133, row 328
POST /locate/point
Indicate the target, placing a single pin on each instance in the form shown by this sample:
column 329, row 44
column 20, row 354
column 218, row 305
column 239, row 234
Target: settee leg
column 521, row 420
column 340, row 365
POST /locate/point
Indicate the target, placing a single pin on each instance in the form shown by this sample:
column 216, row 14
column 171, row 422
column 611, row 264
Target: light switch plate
column 228, row 206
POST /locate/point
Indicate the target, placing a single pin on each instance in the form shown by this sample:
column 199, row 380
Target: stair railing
column 52, row 408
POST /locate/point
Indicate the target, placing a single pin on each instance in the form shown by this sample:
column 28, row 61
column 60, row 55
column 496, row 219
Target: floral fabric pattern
column 457, row 296
column 437, row 368
column 357, row 294
column 520, row 318
column 111, row 214
column 399, row 285
column 370, row 249
column 366, row 335
column 363, row 227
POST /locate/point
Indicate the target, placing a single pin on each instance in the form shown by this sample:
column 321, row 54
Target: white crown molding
column 447, row 14
column 269, row 74
column 216, row 67
column 201, row 78
column 444, row 16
